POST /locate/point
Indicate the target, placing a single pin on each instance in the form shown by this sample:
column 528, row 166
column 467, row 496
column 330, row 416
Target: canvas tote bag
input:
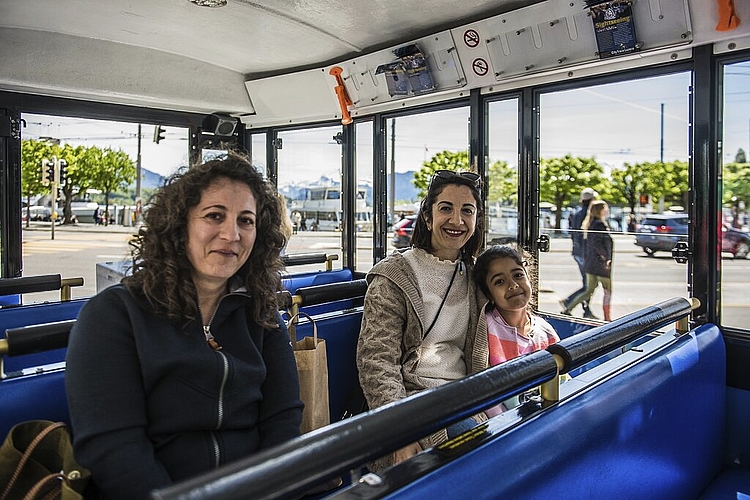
column 36, row 461
column 312, row 369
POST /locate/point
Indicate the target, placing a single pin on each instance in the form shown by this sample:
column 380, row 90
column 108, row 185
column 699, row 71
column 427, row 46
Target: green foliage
column 740, row 157
column 114, row 172
column 88, row 167
column 628, row 183
column 736, row 184
column 503, row 180
column 562, row 179
column 503, row 184
column 444, row 160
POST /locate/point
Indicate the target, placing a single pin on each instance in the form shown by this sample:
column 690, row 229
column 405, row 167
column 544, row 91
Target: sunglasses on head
column 451, row 174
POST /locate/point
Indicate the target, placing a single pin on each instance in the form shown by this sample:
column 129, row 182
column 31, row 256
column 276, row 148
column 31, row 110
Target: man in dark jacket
column 579, row 249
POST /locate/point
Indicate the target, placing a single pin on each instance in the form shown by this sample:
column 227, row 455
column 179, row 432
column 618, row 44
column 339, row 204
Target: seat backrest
column 654, row 430
column 15, row 317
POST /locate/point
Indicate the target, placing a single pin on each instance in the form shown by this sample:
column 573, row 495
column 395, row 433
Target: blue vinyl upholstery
column 656, row 430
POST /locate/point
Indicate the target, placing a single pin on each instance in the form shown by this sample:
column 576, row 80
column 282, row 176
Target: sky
column 163, row 158
column 615, row 123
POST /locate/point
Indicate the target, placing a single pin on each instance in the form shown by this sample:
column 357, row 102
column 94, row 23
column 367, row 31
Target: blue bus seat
column 654, row 430
column 33, row 397
column 296, row 281
column 292, row 282
column 32, row 314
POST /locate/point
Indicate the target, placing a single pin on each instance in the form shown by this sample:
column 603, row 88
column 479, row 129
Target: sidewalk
column 80, row 228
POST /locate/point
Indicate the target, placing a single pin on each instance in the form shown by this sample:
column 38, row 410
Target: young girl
column 598, row 260
column 500, row 273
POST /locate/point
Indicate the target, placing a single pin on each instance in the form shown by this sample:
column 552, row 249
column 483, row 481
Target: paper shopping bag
column 312, row 369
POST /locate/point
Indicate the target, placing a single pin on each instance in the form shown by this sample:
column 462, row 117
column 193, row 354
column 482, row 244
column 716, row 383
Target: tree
column 444, row 160
column 561, row 180
column 503, row 179
column 740, row 157
column 32, row 154
column 628, row 183
column 78, row 177
column 736, row 189
column 503, row 184
column 113, row 172
column 667, row 181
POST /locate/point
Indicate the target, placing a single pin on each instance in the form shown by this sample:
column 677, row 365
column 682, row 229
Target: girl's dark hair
column 162, row 273
column 421, row 236
column 511, row 251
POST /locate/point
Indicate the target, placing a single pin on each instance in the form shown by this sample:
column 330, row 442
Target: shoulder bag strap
column 27, row 454
column 444, row 299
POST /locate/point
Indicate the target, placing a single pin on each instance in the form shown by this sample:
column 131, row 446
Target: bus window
column 100, row 203
column 734, row 236
column 309, row 171
column 502, row 171
column 363, row 168
column 417, row 145
column 258, row 152
column 630, row 161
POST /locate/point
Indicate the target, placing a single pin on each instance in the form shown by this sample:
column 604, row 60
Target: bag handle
column 27, row 455
column 42, row 483
column 291, row 326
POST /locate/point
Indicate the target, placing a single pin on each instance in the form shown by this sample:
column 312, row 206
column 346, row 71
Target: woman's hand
column 406, row 452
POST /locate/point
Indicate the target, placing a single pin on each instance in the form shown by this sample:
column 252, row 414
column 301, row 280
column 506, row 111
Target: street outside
column 639, row 280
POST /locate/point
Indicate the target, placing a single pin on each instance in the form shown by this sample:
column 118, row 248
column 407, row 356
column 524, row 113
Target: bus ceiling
column 279, row 62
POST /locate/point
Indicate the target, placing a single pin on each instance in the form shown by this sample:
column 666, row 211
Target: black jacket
column 151, row 403
column 598, row 245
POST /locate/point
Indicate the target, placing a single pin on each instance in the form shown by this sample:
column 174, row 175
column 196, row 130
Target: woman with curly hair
column 186, row 365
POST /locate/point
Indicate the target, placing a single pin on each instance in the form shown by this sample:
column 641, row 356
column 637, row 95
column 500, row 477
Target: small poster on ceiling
column 409, row 74
column 614, row 27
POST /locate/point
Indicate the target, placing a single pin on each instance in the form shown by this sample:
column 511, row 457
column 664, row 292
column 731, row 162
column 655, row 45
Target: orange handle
column 728, row 19
column 343, row 96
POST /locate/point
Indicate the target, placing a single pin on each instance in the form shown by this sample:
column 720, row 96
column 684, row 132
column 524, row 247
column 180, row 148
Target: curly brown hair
column 162, row 273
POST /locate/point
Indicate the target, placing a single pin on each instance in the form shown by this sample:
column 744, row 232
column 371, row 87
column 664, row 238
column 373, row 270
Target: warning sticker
column 471, row 38
column 480, row 66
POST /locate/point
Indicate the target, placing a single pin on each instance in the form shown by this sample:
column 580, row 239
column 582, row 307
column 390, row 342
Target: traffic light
column 49, row 171
column 63, row 172
column 159, row 133
column 45, row 180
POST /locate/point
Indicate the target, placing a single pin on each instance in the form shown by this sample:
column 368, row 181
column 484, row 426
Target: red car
column 735, row 241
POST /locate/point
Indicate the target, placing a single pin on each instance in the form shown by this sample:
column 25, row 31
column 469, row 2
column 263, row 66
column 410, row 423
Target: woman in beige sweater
column 421, row 327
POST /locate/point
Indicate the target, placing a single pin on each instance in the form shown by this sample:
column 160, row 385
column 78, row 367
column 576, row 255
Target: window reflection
column 735, row 222
column 309, row 176
column 94, row 222
column 627, row 142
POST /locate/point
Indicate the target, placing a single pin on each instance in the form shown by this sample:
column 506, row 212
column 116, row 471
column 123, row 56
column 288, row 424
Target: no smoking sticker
column 471, row 38
column 480, row 66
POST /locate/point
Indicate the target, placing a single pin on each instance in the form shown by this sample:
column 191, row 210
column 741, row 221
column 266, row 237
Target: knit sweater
column 390, row 339
column 393, row 325
column 445, row 288
column 151, row 403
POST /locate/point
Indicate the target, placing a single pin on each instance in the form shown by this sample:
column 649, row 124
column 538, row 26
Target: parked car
column 660, row 232
column 402, row 232
column 735, row 241
column 37, row 213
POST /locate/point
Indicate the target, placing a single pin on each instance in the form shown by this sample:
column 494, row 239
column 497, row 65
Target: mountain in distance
column 149, row 180
column 405, row 190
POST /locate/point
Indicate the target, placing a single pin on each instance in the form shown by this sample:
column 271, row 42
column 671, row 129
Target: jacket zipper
column 220, row 410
